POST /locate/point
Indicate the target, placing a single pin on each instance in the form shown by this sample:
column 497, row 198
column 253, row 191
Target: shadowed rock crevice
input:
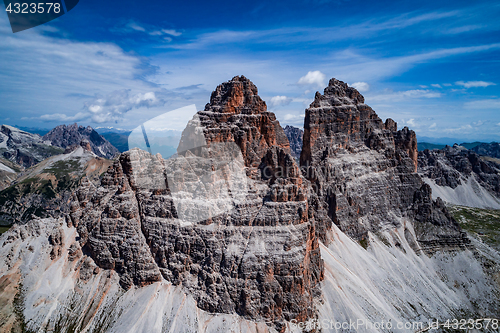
column 294, row 136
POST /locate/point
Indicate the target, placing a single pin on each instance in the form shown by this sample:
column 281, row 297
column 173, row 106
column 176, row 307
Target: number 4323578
column 32, row 8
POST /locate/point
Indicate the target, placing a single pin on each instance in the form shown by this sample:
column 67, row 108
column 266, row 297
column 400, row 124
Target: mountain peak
column 65, row 136
column 236, row 96
column 338, row 93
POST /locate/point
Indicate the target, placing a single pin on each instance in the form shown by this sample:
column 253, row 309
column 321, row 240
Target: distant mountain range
column 65, row 136
column 469, row 145
column 37, row 173
column 20, row 150
column 23, row 148
column 461, row 176
column 450, row 141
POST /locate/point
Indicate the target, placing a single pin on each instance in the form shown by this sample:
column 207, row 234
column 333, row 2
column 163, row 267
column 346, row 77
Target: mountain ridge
column 65, row 136
column 233, row 234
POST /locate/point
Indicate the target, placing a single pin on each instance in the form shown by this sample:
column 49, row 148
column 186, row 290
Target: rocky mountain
column 23, row 148
column 424, row 145
column 365, row 171
column 488, row 149
column 232, row 234
column 461, row 177
column 225, row 262
column 8, row 172
column 294, row 136
column 45, row 189
column 65, row 136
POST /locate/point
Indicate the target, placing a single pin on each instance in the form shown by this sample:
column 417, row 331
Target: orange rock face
column 236, row 113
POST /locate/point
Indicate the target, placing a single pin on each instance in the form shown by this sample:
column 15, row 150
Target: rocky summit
column 260, row 260
column 66, row 136
column 364, row 171
column 233, row 234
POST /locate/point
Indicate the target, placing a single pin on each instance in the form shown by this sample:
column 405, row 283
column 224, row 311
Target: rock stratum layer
column 231, row 234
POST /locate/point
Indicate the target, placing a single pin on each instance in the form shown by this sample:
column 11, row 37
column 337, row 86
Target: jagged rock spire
column 236, row 113
column 238, row 95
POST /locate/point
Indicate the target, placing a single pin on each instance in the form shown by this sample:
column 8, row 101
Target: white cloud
column 498, row 124
column 163, row 32
column 279, row 100
column 462, row 129
column 361, row 86
column 468, row 128
column 117, row 103
column 81, row 81
column 289, row 116
column 171, row 32
column 434, row 125
column 411, row 122
column 404, row 95
column 292, row 119
column 321, row 35
column 313, row 78
column 483, row 104
column 59, row 117
column 447, row 84
column 436, row 85
column 133, row 26
column 474, row 84
column 108, row 108
column 466, row 28
column 136, row 27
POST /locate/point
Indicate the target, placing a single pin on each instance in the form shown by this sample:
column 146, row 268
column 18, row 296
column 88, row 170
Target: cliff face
column 364, row 171
column 460, row 176
column 65, row 136
column 260, row 258
column 294, row 136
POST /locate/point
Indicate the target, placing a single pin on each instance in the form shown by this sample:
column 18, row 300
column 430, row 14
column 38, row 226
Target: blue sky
column 433, row 66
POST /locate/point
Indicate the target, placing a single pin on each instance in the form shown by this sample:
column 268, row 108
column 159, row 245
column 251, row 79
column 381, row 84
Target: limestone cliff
column 364, row 171
column 260, row 259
